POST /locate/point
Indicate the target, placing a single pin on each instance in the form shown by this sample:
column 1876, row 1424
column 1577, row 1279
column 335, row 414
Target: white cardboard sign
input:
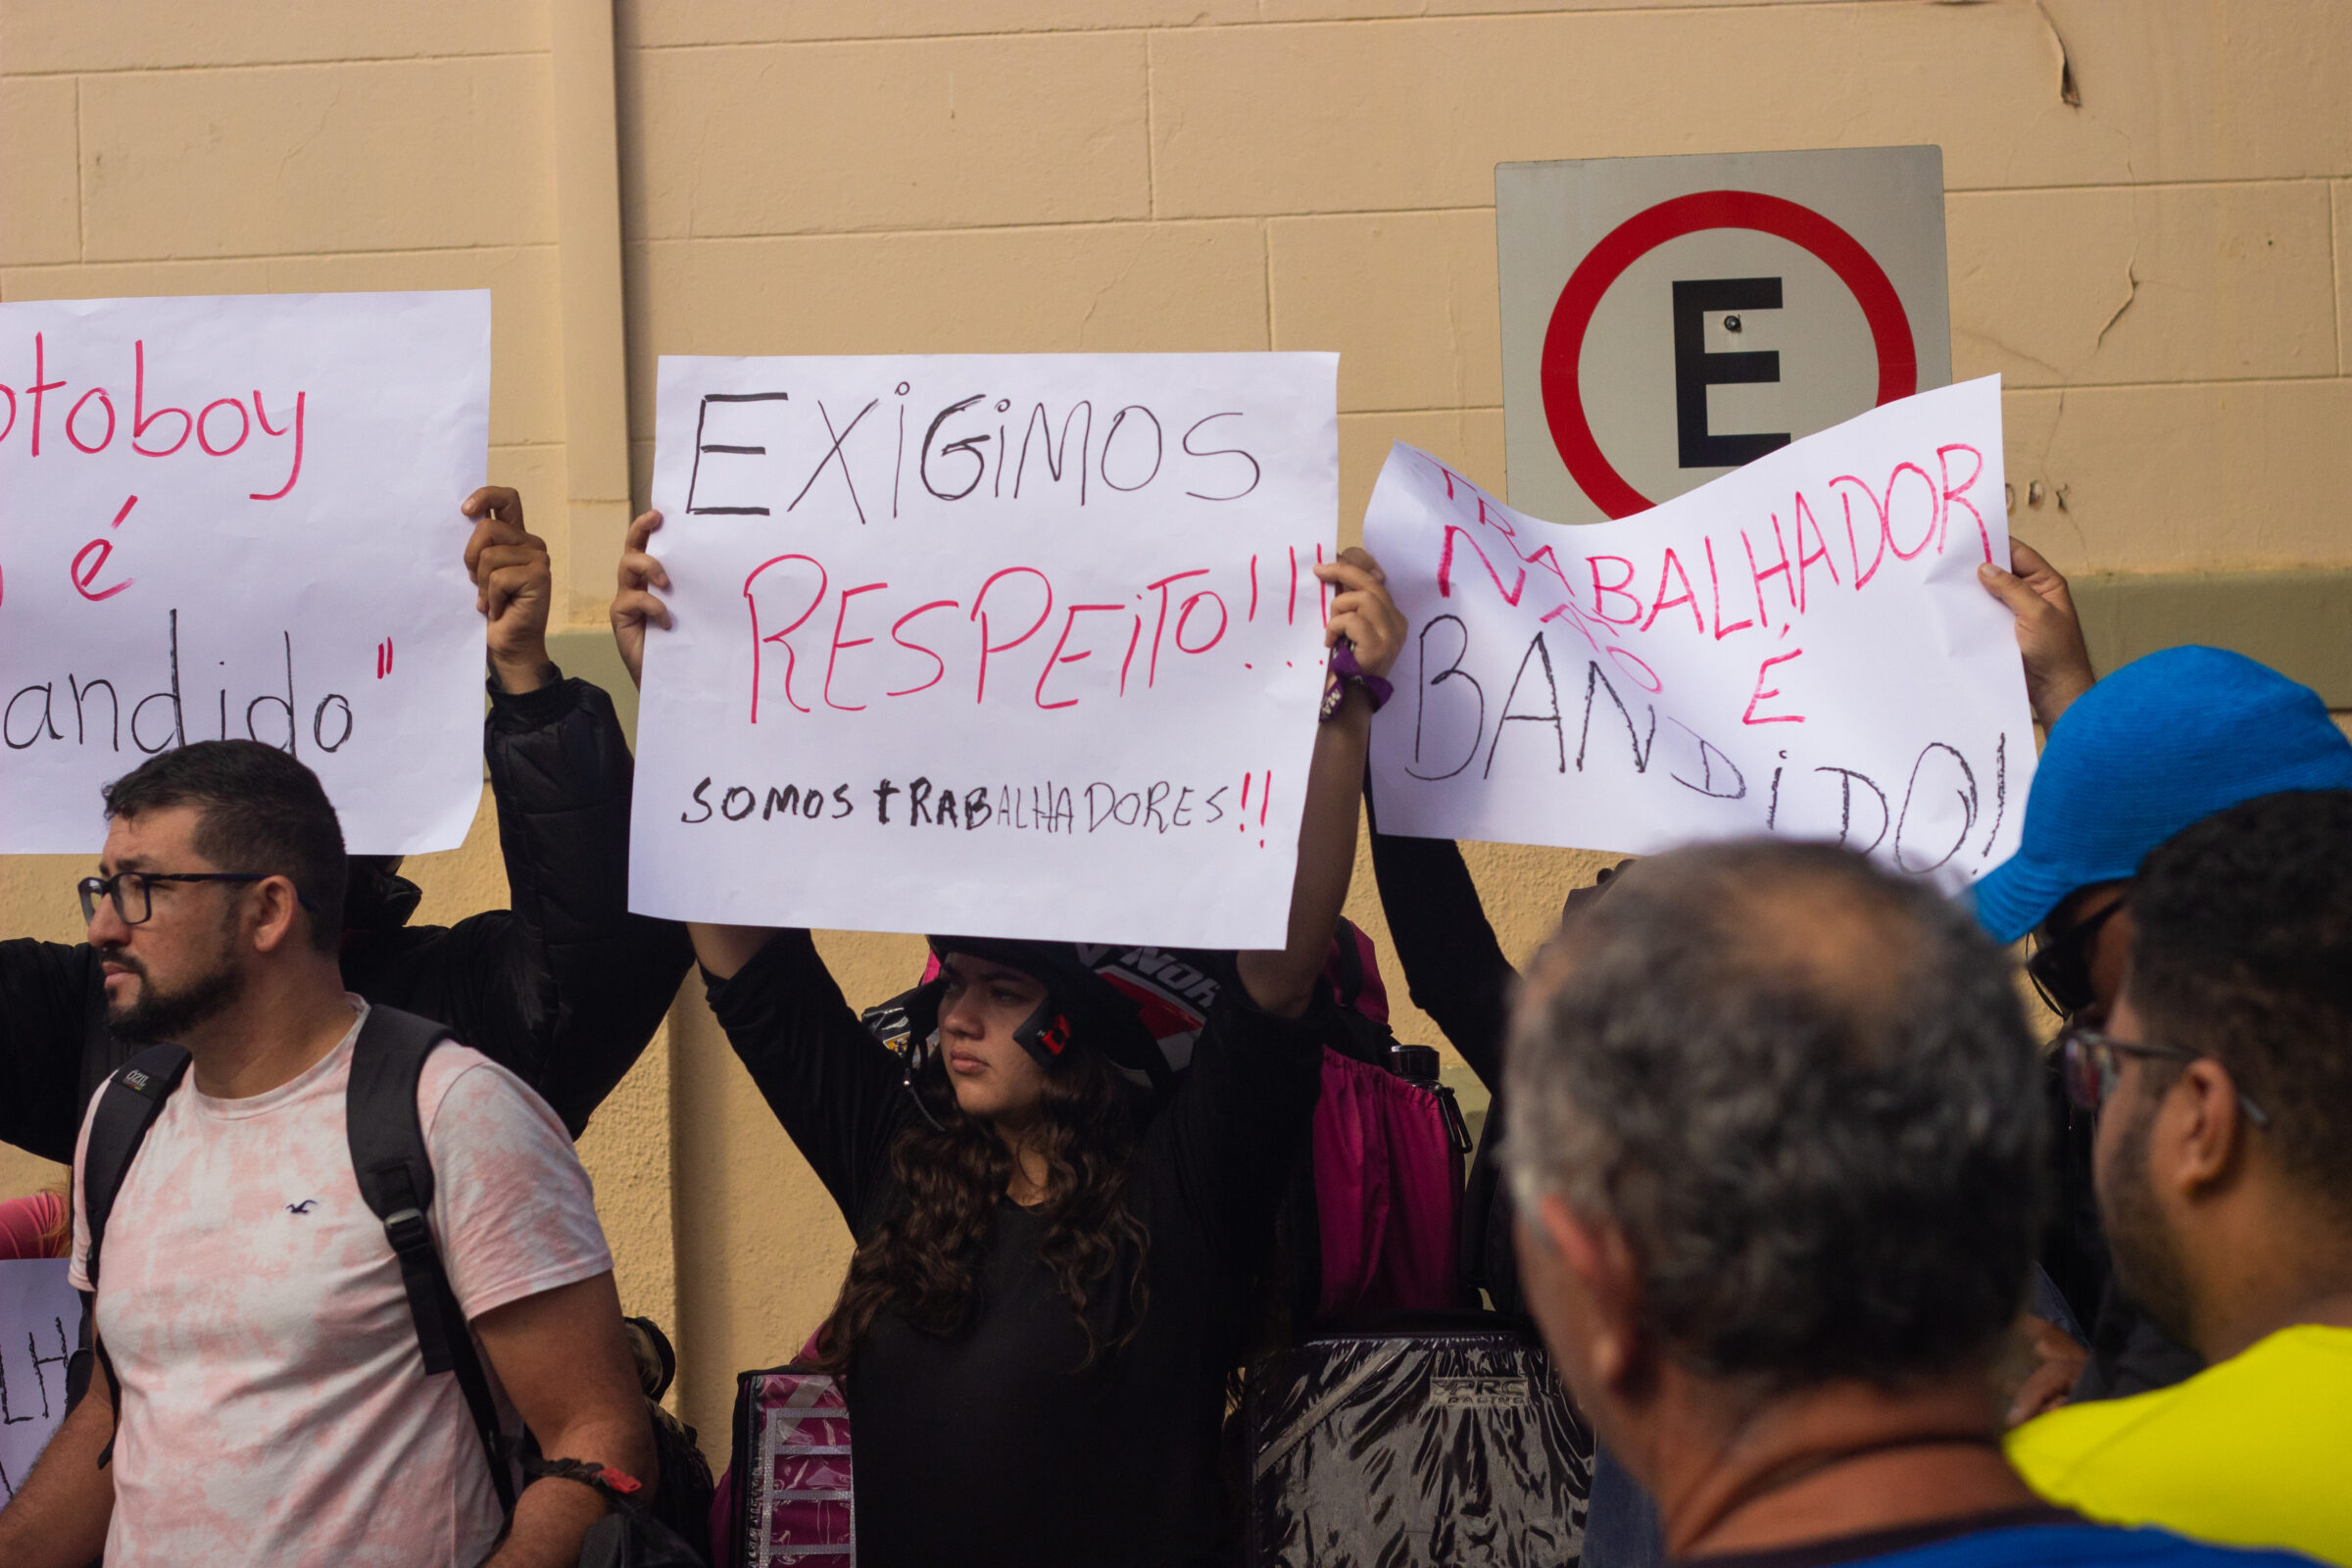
column 1800, row 648
column 237, row 517
column 996, row 645
column 40, row 1321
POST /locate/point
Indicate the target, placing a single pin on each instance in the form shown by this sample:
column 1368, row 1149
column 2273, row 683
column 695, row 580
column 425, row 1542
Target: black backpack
column 1416, row 1438
column 395, row 1173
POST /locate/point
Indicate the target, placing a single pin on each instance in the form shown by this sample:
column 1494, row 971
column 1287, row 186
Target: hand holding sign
column 1022, row 646
column 514, row 582
column 1801, row 647
column 636, row 607
column 2049, row 632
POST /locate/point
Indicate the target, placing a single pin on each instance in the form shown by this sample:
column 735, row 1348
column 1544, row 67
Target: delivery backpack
column 395, row 1173
column 1415, row 1439
column 789, row 1498
column 1371, row 1222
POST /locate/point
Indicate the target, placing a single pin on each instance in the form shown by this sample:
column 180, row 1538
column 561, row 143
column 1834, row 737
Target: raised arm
column 1453, row 966
column 47, row 992
column 1282, row 981
column 565, row 987
column 833, row 1086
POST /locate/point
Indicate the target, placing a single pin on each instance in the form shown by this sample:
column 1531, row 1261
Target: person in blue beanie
column 2164, row 742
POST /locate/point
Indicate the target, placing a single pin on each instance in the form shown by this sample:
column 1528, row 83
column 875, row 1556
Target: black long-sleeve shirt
column 1456, row 972
column 994, row 1443
column 565, row 989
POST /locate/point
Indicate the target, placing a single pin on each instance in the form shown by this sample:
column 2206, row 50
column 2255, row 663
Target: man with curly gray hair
column 1777, row 1150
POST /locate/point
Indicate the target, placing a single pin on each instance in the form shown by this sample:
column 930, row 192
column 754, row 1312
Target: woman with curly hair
column 1055, row 1249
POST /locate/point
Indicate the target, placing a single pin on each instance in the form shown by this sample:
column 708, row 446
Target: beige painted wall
column 2160, row 272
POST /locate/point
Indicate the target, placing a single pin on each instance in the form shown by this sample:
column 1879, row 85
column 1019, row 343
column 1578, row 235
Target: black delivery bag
column 1422, row 1438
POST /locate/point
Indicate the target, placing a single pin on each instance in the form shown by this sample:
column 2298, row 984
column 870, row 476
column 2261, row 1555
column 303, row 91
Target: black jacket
column 563, row 989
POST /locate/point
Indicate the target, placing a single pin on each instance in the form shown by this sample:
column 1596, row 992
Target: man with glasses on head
column 267, row 1396
column 2160, row 744
column 564, row 988
column 2222, row 1081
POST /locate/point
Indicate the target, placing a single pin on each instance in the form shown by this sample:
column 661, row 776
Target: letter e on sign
column 1666, row 320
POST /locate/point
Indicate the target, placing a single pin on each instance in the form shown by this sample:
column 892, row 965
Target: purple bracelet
column 1344, row 670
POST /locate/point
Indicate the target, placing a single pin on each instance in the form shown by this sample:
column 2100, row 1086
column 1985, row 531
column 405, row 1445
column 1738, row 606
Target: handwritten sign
column 238, row 518
column 1015, row 646
column 1800, row 648
column 41, row 1322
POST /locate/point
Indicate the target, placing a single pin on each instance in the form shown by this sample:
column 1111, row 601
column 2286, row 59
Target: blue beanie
column 2165, row 741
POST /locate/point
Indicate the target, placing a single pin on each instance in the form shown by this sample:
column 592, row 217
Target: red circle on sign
column 1646, row 231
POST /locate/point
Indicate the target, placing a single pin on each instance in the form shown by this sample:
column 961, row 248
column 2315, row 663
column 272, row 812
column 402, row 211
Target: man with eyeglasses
column 2161, row 743
column 565, row 989
column 267, row 1396
column 2222, row 1085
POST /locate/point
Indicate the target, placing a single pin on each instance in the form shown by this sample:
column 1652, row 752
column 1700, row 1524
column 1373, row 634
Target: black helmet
column 1081, row 1010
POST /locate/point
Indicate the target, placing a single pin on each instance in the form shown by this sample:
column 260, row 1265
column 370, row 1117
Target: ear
column 2200, row 1129
column 1595, row 1253
column 277, row 915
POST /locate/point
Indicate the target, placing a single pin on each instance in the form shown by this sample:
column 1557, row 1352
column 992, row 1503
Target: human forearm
column 58, row 1516
column 1453, row 966
column 725, row 949
column 564, row 1360
column 524, row 669
column 593, row 979
column 554, row 1513
column 47, row 990
column 1282, row 981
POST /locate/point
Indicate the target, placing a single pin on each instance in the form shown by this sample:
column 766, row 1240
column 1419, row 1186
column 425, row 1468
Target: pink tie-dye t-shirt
column 274, row 1403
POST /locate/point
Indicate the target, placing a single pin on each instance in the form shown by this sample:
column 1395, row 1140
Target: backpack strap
column 128, row 1102
column 128, row 1105
column 395, row 1174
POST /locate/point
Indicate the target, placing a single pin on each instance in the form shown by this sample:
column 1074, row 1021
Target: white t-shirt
column 274, row 1403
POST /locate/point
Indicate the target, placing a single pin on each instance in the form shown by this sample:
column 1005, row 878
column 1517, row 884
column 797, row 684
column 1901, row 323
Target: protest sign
column 1001, row 646
column 41, row 1322
column 1800, row 648
column 238, row 518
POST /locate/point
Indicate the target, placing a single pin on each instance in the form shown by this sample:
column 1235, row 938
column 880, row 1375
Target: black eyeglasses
column 2060, row 967
column 2087, row 1062
column 133, row 896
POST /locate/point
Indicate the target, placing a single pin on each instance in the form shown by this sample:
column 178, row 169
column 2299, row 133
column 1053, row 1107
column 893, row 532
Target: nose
column 106, row 928
column 960, row 1015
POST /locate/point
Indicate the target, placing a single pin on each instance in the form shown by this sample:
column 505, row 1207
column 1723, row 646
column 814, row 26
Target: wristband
column 615, row 1485
column 1343, row 672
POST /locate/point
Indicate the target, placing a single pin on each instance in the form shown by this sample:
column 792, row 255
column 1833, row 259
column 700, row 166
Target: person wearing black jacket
column 1056, row 1268
column 565, row 989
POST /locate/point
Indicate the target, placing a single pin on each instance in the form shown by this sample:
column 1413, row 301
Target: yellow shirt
column 2256, row 1452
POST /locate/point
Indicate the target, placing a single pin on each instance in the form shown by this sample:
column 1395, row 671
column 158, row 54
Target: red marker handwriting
column 91, row 560
column 219, row 429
